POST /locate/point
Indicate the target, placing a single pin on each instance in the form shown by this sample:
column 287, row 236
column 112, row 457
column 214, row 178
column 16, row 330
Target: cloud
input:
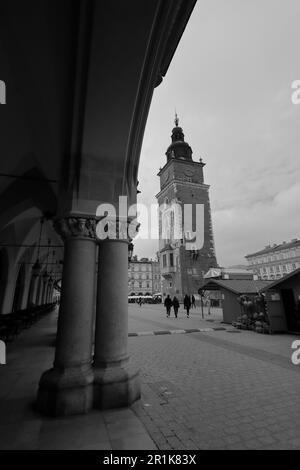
column 230, row 81
column 241, row 230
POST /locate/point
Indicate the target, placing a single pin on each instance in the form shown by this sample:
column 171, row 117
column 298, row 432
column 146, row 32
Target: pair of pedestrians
column 169, row 303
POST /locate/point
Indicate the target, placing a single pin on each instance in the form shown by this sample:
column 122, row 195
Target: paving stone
column 206, row 390
column 233, row 390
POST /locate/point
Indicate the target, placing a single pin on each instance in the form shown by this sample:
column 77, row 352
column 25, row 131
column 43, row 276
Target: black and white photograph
column 149, row 228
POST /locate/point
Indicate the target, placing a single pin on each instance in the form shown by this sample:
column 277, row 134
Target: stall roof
column 238, row 286
column 282, row 279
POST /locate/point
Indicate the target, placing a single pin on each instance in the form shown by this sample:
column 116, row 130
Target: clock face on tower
column 189, row 172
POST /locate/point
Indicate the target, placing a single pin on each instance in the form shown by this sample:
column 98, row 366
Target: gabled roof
column 237, row 286
column 281, row 280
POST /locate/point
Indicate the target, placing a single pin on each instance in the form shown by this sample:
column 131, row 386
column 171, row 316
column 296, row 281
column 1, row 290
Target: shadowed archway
column 19, row 289
column 3, row 275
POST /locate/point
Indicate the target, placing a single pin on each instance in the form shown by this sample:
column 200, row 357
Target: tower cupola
column 179, row 148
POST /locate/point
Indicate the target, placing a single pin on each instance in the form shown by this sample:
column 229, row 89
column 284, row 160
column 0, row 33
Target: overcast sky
column 230, row 81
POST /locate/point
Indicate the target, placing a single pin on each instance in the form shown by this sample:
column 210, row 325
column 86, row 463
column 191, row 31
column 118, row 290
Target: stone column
column 45, row 289
column 26, row 288
column 51, row 290
column 116, row 382
column 50, row 286
column 67, row 388
column 34, row 284
column 39, row 291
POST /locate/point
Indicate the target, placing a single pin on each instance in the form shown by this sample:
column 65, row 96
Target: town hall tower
column 181, row 183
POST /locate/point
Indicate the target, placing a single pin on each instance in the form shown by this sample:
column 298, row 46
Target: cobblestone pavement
column 215, row 390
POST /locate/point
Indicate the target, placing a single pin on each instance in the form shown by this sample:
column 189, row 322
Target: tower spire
column 176, row 119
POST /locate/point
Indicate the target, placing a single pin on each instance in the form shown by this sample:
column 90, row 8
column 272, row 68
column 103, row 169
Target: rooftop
column 274, row 248
column 237, row 286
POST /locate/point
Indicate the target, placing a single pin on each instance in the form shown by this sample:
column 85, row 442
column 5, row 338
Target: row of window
column 137, row 267
column 144, row 276
column 271, row 277
column 139, row 284
column 285, row 268
column 275, row 257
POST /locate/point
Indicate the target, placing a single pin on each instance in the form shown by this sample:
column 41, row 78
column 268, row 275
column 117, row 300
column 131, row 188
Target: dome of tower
column 178, row 148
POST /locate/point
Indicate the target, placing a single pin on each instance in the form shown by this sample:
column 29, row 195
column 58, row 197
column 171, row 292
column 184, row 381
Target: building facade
column 184, row 257
column 274, row 262
column 143, row 277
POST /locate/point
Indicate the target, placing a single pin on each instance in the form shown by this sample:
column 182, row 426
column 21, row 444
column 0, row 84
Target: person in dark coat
column 193, row 302
column 168, row 304
column 175, row 306
column 187, row 304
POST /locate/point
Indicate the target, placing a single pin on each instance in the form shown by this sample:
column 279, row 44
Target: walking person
column 140, row 301
column 187, row 304
column 168, row 304
column 193, row 301
column 175, row 306
column 208, row 305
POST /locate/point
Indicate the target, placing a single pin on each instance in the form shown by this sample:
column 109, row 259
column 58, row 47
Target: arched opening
column 30, row 292
column 39, row 291
column 19, row 289
column 3, row 276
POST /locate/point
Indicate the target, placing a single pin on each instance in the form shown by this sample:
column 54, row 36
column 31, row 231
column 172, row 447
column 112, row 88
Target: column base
column 116, row 386
column 66, row 391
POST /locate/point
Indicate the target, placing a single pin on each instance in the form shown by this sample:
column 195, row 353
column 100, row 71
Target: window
column 164, row 261
column 171, row 259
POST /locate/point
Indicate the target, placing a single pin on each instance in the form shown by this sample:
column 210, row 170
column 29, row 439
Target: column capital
column 71, row 227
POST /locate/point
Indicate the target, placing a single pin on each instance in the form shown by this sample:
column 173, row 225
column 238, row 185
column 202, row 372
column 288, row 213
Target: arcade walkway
column 22, row 428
